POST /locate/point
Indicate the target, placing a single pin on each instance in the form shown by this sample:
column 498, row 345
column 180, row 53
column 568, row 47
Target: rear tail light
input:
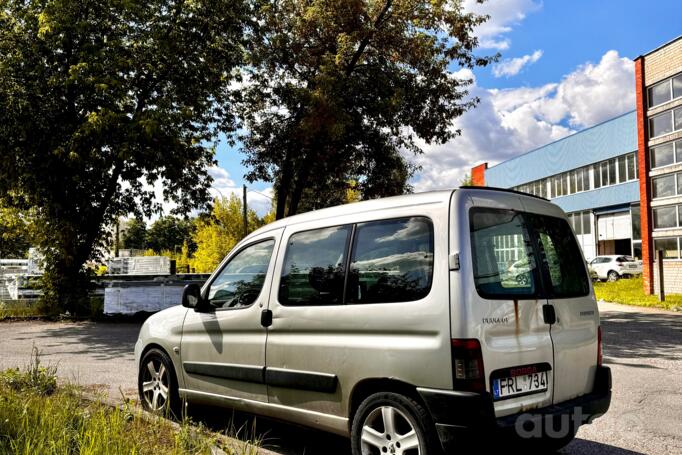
column 467, row 365
column 599, row 352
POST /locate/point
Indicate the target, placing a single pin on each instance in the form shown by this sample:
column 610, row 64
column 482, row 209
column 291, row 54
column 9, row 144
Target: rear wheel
column 157, row 385
column 612, row 276
column 388, row 423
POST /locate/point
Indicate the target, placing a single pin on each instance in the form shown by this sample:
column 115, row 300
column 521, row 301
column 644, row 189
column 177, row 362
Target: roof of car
column 406, row 200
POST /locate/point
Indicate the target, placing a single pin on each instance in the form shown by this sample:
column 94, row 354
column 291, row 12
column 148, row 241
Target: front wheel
column 388, row 423
column 157, row 385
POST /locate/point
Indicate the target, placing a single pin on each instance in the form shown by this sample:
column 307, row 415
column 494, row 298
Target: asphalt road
column 643, row 347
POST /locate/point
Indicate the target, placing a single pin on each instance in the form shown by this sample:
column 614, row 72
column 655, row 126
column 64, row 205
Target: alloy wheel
column 387, row 430
column 155, row 384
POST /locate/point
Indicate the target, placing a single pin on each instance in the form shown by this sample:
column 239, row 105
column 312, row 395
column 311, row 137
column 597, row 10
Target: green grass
column 17, row 309
column 630, row 291
column 39, row 417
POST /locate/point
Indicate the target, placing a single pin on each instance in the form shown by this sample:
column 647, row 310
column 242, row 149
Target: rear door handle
column 549, row 314
column 266, row 318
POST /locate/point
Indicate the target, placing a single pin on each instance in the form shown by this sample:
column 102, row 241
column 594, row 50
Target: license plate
column 524, row 384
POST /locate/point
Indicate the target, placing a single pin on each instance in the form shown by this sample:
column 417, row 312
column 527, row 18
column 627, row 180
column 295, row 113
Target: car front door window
column 239, row 283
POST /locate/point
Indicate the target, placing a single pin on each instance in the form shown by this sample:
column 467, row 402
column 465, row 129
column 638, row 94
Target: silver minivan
column 398, row 322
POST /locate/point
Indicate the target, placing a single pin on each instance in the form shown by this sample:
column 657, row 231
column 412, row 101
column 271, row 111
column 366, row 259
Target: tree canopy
column 339, row 91
column 100, row 100
column 216, row 234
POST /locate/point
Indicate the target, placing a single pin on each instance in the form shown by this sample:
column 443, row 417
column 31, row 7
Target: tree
column 217, row 233
column 467, row 180
column 134, row 235
column 15, row 233
column 170, row 233
column 342, row 90
column 100, row 100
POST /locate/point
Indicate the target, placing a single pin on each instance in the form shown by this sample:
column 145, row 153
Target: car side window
column 392, row 261
column 239, row 283
column 314, row 267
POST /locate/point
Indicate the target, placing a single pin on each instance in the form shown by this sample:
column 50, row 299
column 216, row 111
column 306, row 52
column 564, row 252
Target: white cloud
column 224, row 186
column 512, row 66
column 504, row 14
column 221, row 178
column 512, row 121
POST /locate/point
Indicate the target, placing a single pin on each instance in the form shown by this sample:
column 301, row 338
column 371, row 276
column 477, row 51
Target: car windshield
column 505, row 245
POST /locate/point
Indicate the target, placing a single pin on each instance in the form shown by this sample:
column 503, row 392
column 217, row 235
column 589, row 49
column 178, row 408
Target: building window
column 661, row 124
column 635, row 216
column 587, row 223
column 664, row 155
column 665, row 91
column 631, row 160
column 660, row 93
column 622, row 174
column 677, row 86
column 665, row 217
column 609, row 172
column 663, row 186
column 580, row 222
column 670, row 247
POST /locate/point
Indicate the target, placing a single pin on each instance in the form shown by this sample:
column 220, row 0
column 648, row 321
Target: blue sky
column 566, row 65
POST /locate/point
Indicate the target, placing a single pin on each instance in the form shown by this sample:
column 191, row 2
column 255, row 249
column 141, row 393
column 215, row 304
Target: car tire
column 157, row 384
column 612, row 276
column 409, row 429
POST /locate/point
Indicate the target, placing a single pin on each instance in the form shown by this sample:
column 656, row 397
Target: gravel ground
column 642, row 346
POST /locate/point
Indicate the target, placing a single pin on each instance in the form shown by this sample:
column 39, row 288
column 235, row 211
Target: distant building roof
column 609, row 139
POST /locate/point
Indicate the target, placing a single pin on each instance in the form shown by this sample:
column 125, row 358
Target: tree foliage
column 134, row 235
column 217, row 233
column 343, row 90
column 15, row 233
column 170, row 233
column 100, row 99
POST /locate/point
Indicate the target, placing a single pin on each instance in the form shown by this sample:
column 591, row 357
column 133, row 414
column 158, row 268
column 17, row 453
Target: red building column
column 478, row 174
column 644, row 180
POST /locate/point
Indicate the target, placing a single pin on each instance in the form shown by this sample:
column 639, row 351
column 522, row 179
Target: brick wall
column 644, row 180
column 478, row 174
column 663, row 63
column 672, row 277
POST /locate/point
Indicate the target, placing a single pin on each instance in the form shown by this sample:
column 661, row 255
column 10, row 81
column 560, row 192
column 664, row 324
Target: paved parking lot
column 642, row 346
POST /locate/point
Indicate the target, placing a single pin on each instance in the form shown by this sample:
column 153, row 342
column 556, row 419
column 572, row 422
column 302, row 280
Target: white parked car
column 394, row 322
column 613, row 267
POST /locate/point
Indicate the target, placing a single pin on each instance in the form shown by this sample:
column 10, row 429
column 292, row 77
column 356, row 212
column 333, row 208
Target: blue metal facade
column 606, row 140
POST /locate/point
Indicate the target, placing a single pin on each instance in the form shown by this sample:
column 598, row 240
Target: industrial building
column 620, row 181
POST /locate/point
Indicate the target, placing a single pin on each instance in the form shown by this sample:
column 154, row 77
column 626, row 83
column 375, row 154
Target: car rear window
column 561, row 257
column 505, row 245
column 502, row 254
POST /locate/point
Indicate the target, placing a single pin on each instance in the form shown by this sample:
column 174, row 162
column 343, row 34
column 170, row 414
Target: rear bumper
column 461, row 415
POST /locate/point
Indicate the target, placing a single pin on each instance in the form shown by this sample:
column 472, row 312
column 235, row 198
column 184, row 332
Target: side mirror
column 191, row 297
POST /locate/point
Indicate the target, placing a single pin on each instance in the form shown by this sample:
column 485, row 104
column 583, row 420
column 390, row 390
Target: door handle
column 548, row 314
column 266, row 318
